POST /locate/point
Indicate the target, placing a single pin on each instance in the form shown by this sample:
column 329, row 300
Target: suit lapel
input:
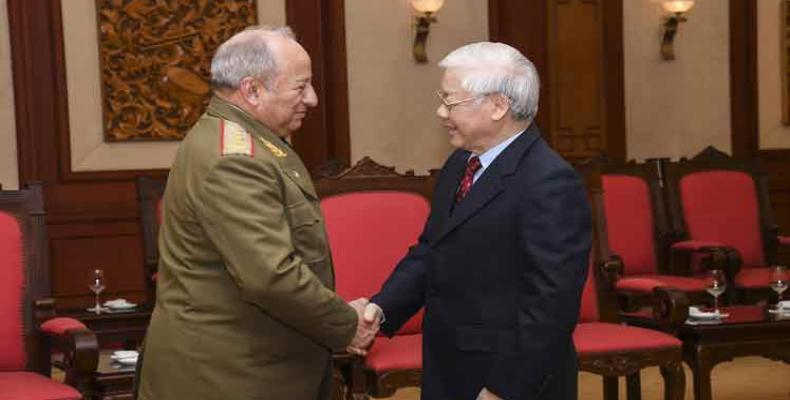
column 488, row 186
column 447, row 186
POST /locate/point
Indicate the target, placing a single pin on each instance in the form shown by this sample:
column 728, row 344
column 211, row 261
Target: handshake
column 369, row 318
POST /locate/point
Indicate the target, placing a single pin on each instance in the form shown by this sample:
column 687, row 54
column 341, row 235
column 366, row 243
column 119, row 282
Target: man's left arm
column 555, row 234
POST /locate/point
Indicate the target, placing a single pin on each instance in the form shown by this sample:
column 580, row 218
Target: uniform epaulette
column 234, row 139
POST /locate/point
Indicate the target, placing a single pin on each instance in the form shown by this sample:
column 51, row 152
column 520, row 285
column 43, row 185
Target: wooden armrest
column 670, row 308
column 80, row 350
column 612, row 269
column 715, row 256
column 70, row 337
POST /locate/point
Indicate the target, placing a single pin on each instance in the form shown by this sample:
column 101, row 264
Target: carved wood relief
column 785, row 32
column 155, row 58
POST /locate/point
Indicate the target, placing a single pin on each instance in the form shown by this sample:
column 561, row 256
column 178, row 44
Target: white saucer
column 127, row 361
column 691, row 321
column 127, row 306
column 696, row 314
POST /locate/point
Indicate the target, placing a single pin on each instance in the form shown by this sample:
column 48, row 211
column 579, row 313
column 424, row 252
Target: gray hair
column 498, row 68
column 247, row 53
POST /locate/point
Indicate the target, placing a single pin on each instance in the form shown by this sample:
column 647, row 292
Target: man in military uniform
column 245, row 303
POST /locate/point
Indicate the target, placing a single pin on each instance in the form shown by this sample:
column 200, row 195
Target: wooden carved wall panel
column 575, row 63
column 785, row 32
column 155, row 61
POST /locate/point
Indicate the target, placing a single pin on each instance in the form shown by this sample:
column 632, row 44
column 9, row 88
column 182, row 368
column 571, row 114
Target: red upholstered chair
column 373, row 215
column 29, row 328
column 717, row 200
column 149, row 198
column 607, row 348
column 610, row 349
column 634, row 226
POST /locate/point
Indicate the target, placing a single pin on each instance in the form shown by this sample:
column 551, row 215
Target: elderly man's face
column 467, row 118
column 285, row 105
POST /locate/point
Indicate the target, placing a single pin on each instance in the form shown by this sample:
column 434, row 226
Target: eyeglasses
column 450, row 104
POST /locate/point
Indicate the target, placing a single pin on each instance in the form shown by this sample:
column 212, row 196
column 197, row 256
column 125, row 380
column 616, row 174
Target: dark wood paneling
column 743, row 78
column 744, row 108
column 575, row 61
column 577, row 47
column 74, row 258
column 320, row 27
column 92, row 217
column 35, row 40
column 507, row 22
column 613, row 65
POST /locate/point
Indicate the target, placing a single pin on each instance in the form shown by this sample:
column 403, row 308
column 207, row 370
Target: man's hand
column 486, row 395
column 369, row 316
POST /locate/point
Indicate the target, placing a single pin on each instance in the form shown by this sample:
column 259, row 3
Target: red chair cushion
column 31, row 386
column 398, row 353
column 12, row 344
column 646, row 283
column 721, row 206
column 601, row 337
column 369, row 232
column 629, row 222
column 59, row 326
column 752, row 277
column 784, row 240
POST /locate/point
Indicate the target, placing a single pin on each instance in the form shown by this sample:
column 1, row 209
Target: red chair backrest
column 630, row 225
column 12, row 278
column 589, row 311
column 369, row 232
column 721, row 206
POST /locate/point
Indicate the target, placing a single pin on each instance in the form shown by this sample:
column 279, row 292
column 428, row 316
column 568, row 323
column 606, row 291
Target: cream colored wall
column 88, row 150
column 773, row 133
column 9, row 177
column 676, row 108
column 391, row 98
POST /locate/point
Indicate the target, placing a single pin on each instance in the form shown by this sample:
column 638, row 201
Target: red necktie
column 469, row 175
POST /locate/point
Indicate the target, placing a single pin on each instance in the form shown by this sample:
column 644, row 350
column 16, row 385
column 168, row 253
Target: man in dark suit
column 501, row 263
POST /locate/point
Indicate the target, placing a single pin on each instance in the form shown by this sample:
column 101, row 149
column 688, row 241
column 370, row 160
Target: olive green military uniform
column 245, row 303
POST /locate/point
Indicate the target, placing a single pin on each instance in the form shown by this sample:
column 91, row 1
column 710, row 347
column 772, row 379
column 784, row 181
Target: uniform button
column 296, row 174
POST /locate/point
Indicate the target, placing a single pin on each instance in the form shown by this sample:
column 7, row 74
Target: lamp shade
column 427, row 6
column 677, row 6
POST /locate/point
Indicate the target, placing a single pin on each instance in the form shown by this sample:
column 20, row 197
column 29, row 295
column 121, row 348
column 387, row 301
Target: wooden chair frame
column 712, row 159
column 669, row 308
column 652, row 173
column 79, row 347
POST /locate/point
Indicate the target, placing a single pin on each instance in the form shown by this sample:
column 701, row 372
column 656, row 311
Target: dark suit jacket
column 500, row 275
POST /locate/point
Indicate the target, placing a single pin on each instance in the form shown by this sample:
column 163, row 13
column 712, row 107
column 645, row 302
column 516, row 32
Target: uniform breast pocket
column 307, row 231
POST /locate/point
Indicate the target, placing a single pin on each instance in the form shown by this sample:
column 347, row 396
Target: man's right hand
column 369, row 319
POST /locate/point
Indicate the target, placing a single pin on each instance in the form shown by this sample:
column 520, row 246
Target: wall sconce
column 425, row 9
column 670, row 26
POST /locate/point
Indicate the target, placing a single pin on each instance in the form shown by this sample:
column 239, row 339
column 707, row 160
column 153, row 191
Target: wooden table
column 112, row 381
column 748, row 331
column 113, row 328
